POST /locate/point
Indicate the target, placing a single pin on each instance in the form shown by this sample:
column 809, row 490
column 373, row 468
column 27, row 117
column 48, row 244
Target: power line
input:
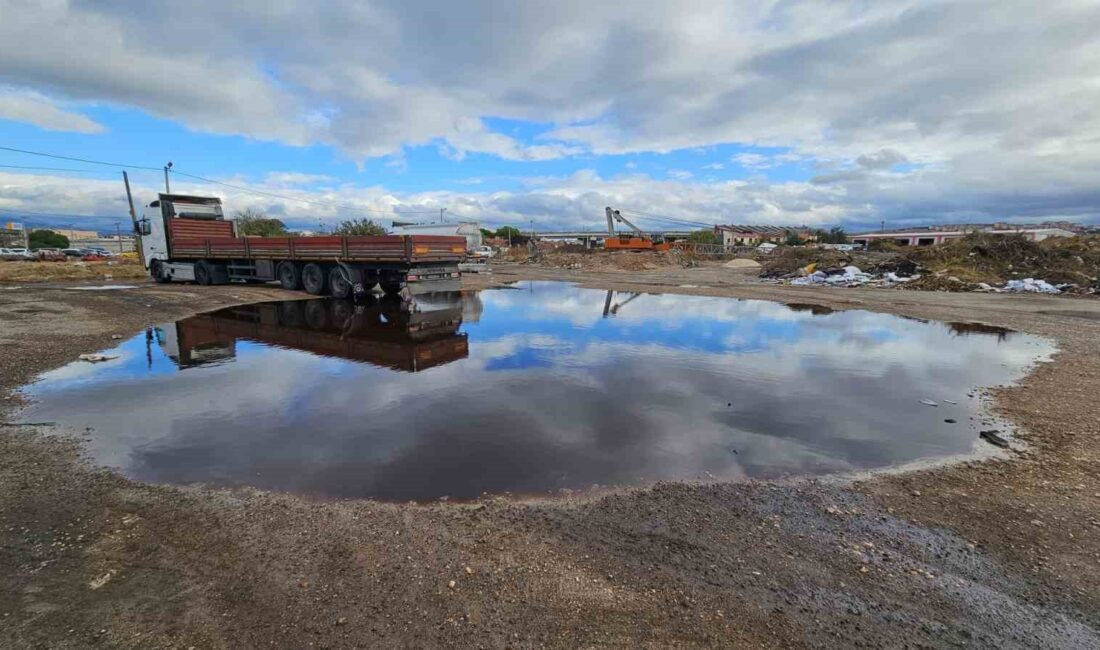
column 74, row 159
column 52, row 169
column 240, row 188
column 657, row 217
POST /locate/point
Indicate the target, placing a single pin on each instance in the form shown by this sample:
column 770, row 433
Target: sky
column 540, row 114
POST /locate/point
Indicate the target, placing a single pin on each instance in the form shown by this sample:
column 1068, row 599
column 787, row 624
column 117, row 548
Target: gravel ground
column 997, row 553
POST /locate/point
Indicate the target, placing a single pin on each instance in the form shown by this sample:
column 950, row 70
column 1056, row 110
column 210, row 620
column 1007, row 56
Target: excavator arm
column 615, row 215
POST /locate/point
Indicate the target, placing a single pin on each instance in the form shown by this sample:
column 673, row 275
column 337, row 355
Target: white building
column 929, row 237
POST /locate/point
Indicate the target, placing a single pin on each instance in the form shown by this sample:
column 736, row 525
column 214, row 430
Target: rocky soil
column 999, row 553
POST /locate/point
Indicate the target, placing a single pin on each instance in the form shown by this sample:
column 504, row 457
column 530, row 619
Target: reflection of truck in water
column 385, row 332
column 187, row 238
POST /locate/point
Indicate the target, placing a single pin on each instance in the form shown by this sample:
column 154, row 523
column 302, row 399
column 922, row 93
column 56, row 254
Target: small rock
column 451, row 584
column 915, row 493
column 342, row 620
column 950, row 420
column 469, row 571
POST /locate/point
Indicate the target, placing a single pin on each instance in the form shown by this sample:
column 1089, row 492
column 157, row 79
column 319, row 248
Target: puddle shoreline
column 412, row 365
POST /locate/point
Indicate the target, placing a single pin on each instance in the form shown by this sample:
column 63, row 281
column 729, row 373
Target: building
column 934, row 235
column 740, row 235
column 13, row 235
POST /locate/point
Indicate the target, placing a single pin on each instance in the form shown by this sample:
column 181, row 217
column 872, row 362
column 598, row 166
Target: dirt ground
column 1001, row 553
column 106, row 271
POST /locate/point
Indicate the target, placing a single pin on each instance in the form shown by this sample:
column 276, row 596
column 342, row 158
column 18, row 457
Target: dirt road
column 998, row 553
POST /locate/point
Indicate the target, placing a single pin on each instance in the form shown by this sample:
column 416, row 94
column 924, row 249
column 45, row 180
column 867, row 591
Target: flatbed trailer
column 187, row 239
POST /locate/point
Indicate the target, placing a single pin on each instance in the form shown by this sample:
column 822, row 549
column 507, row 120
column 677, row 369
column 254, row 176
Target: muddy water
column 529, row 390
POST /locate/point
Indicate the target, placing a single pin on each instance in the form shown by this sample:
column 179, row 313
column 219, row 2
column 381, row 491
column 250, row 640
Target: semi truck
column 188, row 239
column 385, row 332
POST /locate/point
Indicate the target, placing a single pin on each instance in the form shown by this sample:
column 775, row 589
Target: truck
column 187, row 238
column 385, row 332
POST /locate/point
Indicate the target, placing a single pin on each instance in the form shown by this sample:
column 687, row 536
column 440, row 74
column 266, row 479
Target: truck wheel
column 204, row 275
column 316, row 314
column 338, row 284
column 313, row 279
column 289, row 276
column 391, row 287
column 156, row 269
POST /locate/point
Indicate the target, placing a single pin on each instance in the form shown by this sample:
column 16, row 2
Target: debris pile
column 978, row 262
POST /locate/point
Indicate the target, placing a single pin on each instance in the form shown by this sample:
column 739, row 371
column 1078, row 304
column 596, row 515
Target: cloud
column 680, row 174
column 956, row 90
column 34, row 108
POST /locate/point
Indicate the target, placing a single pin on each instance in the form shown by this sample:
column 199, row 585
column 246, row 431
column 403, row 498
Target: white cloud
column 34, row 108
column 680, row 174
column 991, row 102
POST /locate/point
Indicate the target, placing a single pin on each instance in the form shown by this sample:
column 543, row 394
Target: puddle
column 536, row 389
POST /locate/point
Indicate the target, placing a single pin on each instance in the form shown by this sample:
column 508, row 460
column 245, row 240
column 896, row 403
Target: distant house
column 933, row 236
column 741, row 235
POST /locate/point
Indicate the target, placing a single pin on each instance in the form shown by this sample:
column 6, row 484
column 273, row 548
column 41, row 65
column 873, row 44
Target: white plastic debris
column 892, row 277
column 96, row 357
column 1031, row 285
column 928, row 402
column 104, row 287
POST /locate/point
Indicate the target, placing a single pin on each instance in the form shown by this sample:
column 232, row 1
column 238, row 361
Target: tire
column 313, row 279
column 290, row 276
column 290, row 314
column 390, row 287
column 338, row 285
column 204, row 275
column 156, row 269
column 316, row 314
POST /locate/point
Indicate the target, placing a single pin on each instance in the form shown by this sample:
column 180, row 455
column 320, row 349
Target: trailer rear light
column 413, row 277
column 420, row 250
column 458, row 249
column 455, row 274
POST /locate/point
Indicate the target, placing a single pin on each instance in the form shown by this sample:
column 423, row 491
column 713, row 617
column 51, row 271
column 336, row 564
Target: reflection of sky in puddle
column 550, row 393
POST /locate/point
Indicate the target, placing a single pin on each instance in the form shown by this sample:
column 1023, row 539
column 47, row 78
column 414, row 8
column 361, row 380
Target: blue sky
column 793, row 113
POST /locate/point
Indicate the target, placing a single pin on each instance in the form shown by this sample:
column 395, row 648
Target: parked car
column 50, row 255
column 21, row 254
column 482, row 253
column 74, row 252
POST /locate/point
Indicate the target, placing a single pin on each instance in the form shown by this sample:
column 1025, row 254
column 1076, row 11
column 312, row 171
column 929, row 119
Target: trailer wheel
column 204, row 275
column 313, row 279
column 391, row 287
column 338, row 284
column 156, row 269
column 290, row 277
column 316, row 314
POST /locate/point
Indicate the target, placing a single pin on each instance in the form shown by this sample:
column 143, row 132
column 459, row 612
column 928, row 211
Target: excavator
column 639, row 241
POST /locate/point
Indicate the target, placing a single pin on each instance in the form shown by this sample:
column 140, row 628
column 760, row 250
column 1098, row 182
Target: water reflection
column 407, row 336
column 526, row 391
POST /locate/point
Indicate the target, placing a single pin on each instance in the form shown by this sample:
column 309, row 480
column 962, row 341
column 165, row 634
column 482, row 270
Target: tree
column 46, row 239
column 512, row 234
column 793, row 239
column 486, row 233
column 703, row 237
column 359, row 227
column 835, row 235
column 257, row 224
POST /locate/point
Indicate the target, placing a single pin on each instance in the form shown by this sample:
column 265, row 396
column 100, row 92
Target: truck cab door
column 154, row 241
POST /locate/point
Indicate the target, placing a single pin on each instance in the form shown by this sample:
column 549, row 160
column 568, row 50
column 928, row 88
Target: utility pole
column 882, row 226
column 320, row 226
column 441, row 211
column 118, row 235
column 167, row 188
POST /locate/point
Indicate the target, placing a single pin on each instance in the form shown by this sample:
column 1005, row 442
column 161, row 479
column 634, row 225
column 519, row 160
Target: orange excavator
column 639, row 241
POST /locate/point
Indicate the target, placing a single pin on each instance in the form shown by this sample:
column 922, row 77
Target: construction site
column 530, row 325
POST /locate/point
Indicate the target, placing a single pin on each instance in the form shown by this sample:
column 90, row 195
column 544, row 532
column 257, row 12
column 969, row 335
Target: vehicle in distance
column 187, row 238
column 482, row 253
column 19, row 254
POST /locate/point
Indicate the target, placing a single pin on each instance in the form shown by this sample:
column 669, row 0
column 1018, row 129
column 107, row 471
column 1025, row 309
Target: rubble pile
column 977, row 262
